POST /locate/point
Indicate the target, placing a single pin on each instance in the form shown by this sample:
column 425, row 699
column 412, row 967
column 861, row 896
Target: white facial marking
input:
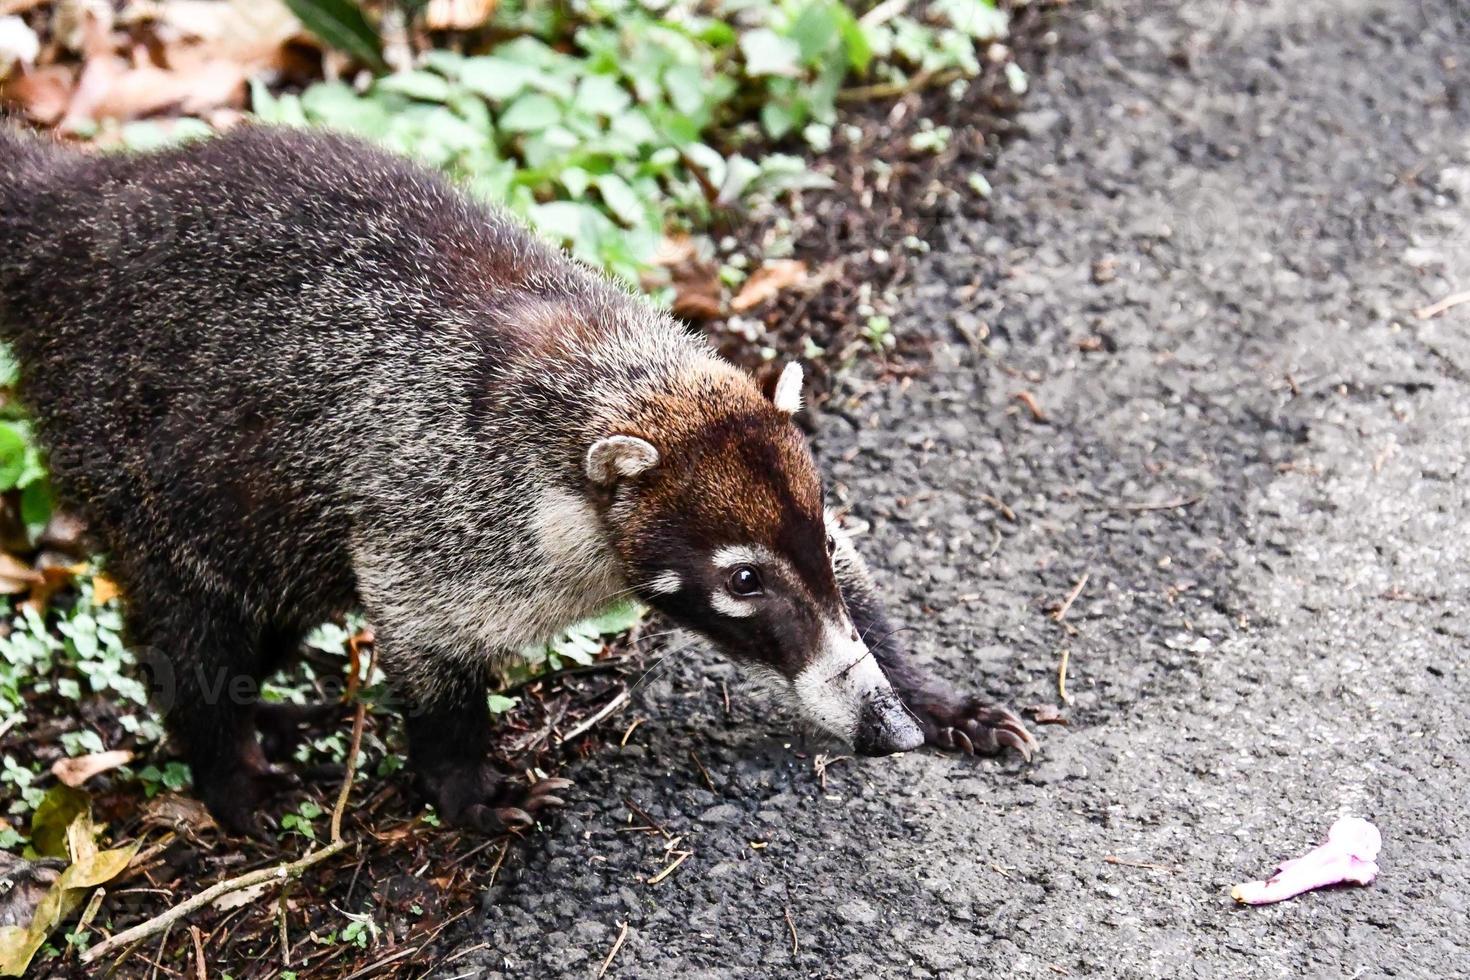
column 665, row 583
column 728, row 605
column 844, row 676
column 787, row 396
column 740, row 554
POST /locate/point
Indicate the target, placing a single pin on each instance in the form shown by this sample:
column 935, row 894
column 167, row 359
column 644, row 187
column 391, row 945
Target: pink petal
column 1348, row 856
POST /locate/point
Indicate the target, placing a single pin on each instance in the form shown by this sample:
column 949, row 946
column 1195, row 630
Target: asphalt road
column 1202, row 263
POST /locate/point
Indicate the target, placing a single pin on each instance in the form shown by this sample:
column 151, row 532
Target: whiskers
column 886, row 636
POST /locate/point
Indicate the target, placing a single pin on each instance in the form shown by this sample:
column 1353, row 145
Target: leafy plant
column 583, row 642
column 342, row 25
column 303, row 821
column 603, row 128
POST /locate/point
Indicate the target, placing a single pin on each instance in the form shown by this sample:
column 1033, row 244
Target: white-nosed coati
column 282, row 374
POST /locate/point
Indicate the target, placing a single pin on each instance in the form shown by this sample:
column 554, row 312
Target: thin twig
column 1448, row 303
column 683, row 856
column 1147, row 865
column 1175, row 504
column 586, row 724
column 703, row 772
column 198, row 952
column 642, row 814
column 1062, row 677
column 1071, row 597
column 617, row 945
column 391, row 958
column 358, row 720
column 889, row 90
column 791, row 924
column 282, row 872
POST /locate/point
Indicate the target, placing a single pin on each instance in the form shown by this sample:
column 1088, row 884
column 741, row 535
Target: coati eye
column 745, row 580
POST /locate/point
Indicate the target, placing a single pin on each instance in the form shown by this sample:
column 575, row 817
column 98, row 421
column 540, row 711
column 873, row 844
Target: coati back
column 282, row 373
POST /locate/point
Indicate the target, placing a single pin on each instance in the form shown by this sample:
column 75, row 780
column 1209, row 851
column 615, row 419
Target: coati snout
column 723, row 529
column 339, row 381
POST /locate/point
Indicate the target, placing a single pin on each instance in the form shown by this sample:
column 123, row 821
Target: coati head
column 720, row 524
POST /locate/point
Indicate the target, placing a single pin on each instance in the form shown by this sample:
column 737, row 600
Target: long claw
column 1007, row 737
column 535, row 803
column 551, row 784
column 513, row 815
column 981, row 730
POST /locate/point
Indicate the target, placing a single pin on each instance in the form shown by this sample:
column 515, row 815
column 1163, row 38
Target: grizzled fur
column 284, row 374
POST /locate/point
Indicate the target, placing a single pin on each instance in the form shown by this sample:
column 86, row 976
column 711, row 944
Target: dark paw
column 978, row 729
column 237, row 801
column 479, row 797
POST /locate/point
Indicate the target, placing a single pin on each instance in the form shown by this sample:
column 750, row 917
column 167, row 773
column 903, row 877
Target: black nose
column 885, row 727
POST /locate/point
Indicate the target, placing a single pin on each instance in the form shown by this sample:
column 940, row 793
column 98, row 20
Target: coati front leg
column 448, row 724
column 204, row 667
column 950, row 719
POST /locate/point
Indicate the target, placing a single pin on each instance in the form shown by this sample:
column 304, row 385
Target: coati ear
column 616, row 457
column 787, row 396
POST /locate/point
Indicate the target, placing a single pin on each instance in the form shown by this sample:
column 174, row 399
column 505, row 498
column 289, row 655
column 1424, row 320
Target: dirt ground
column 1202, row 263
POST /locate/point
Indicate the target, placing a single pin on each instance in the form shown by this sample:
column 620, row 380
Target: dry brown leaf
column 8, row 7
column 64, row 533
column 19, row 45
column 457, row 15
column 55, row 576
column 83, row 26
column 767, row 281
column 75, row 772
column 695, row 279
column 674, row 250
column 16, row 577
column 248, row 32
column 110, row 88
column 104, row 590
column 41, row 93
column 181, row 814
column 207, row 52
column 697, row 299
column 1045, row 714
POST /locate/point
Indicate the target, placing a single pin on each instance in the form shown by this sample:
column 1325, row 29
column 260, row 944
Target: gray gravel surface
column 1202, row 262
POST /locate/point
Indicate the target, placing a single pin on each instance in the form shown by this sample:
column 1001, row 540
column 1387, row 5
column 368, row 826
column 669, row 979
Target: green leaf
column 768, row 53
column 600, row 95
column 61, row 806
column 341, row 24
column 687, row 88
column 497, row 79
column 575, row 181
column 621, row 200
column 777, row 119
column 859, row 51
column 9, row 367
column 500, row 704
column 36, row 505
column 89, row 868
column 337, row 105
column 815, row 30
column 422, row 85
column 530, row 114
column 14, row 447
column 283, row 111
column 616, row 619
column 562, row 221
